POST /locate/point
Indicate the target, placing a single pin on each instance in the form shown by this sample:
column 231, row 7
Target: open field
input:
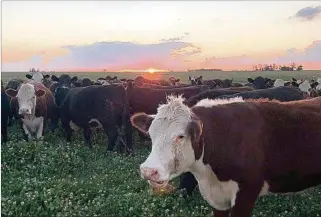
column 56, row 178
column 60, row 179
column 239, row 76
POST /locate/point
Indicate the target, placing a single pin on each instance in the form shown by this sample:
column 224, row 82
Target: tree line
column 274, row 67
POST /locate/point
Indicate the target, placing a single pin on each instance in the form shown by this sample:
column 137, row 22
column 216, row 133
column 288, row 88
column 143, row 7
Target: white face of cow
column 278, row 83
column 305, row 87
column 171, row 134
column 38, row 77
column 27, row 97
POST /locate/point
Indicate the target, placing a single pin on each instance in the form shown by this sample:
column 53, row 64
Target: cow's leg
column 27, row 133
column 40, row 130
column 218, row 213
column 54, row 120
column 129, row 136
column 66, row 126
column 10, row 118
column 112, row 134
column 245, row 199
column 87, row 135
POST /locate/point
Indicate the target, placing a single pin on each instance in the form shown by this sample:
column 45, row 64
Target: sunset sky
column 174, row 35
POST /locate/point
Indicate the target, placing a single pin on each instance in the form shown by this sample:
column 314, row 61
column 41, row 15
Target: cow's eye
column 181, row 136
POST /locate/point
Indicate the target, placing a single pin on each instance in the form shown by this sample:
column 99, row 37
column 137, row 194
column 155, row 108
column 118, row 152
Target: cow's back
column 282, row 94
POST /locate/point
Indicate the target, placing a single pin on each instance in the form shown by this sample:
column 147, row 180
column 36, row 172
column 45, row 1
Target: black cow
column 260, row 82
column 65, row 80
column 13, row 113
column 5, row 109
column 283, row 94
column 94, row 107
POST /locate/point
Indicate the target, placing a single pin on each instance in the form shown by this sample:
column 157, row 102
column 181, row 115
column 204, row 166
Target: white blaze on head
column 172, row 152
column 305, row 87
column 278, row 83
column 26, row 98
column 38, row 77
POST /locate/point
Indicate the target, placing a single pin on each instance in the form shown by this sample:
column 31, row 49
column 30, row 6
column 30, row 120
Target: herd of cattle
column 118, row 106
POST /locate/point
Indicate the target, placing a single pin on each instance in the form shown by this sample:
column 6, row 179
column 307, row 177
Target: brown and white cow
column 237, row 150
column 36, row 105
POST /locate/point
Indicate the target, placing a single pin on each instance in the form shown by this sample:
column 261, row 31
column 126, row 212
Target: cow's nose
column 149, row 173
column 24, row 111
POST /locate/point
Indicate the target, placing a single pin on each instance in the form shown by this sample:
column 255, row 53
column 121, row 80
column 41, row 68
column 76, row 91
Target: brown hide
column 257, row 141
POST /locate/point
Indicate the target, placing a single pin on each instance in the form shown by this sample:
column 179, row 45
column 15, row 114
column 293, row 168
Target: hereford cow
column 237, row 150
column 5, row 110
column 283, row 94
column 36, row 106
column 97, row 106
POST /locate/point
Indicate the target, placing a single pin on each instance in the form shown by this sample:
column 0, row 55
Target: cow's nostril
column 149, row 173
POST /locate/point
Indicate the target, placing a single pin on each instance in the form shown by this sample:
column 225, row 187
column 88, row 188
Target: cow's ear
column 28, row 76
column 40, row 93
column 195, row 129
column 250, row 80
column 54, row 78
column 115, row 78
column 142, row 121
column 11, row 92
column 294, row 79
column 74, row 79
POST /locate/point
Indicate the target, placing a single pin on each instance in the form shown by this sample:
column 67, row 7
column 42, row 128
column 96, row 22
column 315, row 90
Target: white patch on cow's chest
column 94, row 120
column 220, row 195
column 33, row 125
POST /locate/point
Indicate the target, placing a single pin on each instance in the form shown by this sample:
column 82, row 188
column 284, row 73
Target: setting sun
column 151, row 70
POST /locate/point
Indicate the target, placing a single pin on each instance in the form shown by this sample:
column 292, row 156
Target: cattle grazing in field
column 237, row 150
column 94, row 107
column 5, row 110
column 212, row 94
column 36, row 106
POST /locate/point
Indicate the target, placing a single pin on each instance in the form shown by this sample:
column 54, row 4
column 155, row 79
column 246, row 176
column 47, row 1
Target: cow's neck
column 220, row 195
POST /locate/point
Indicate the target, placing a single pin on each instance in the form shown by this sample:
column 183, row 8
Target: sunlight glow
column 151, row 70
